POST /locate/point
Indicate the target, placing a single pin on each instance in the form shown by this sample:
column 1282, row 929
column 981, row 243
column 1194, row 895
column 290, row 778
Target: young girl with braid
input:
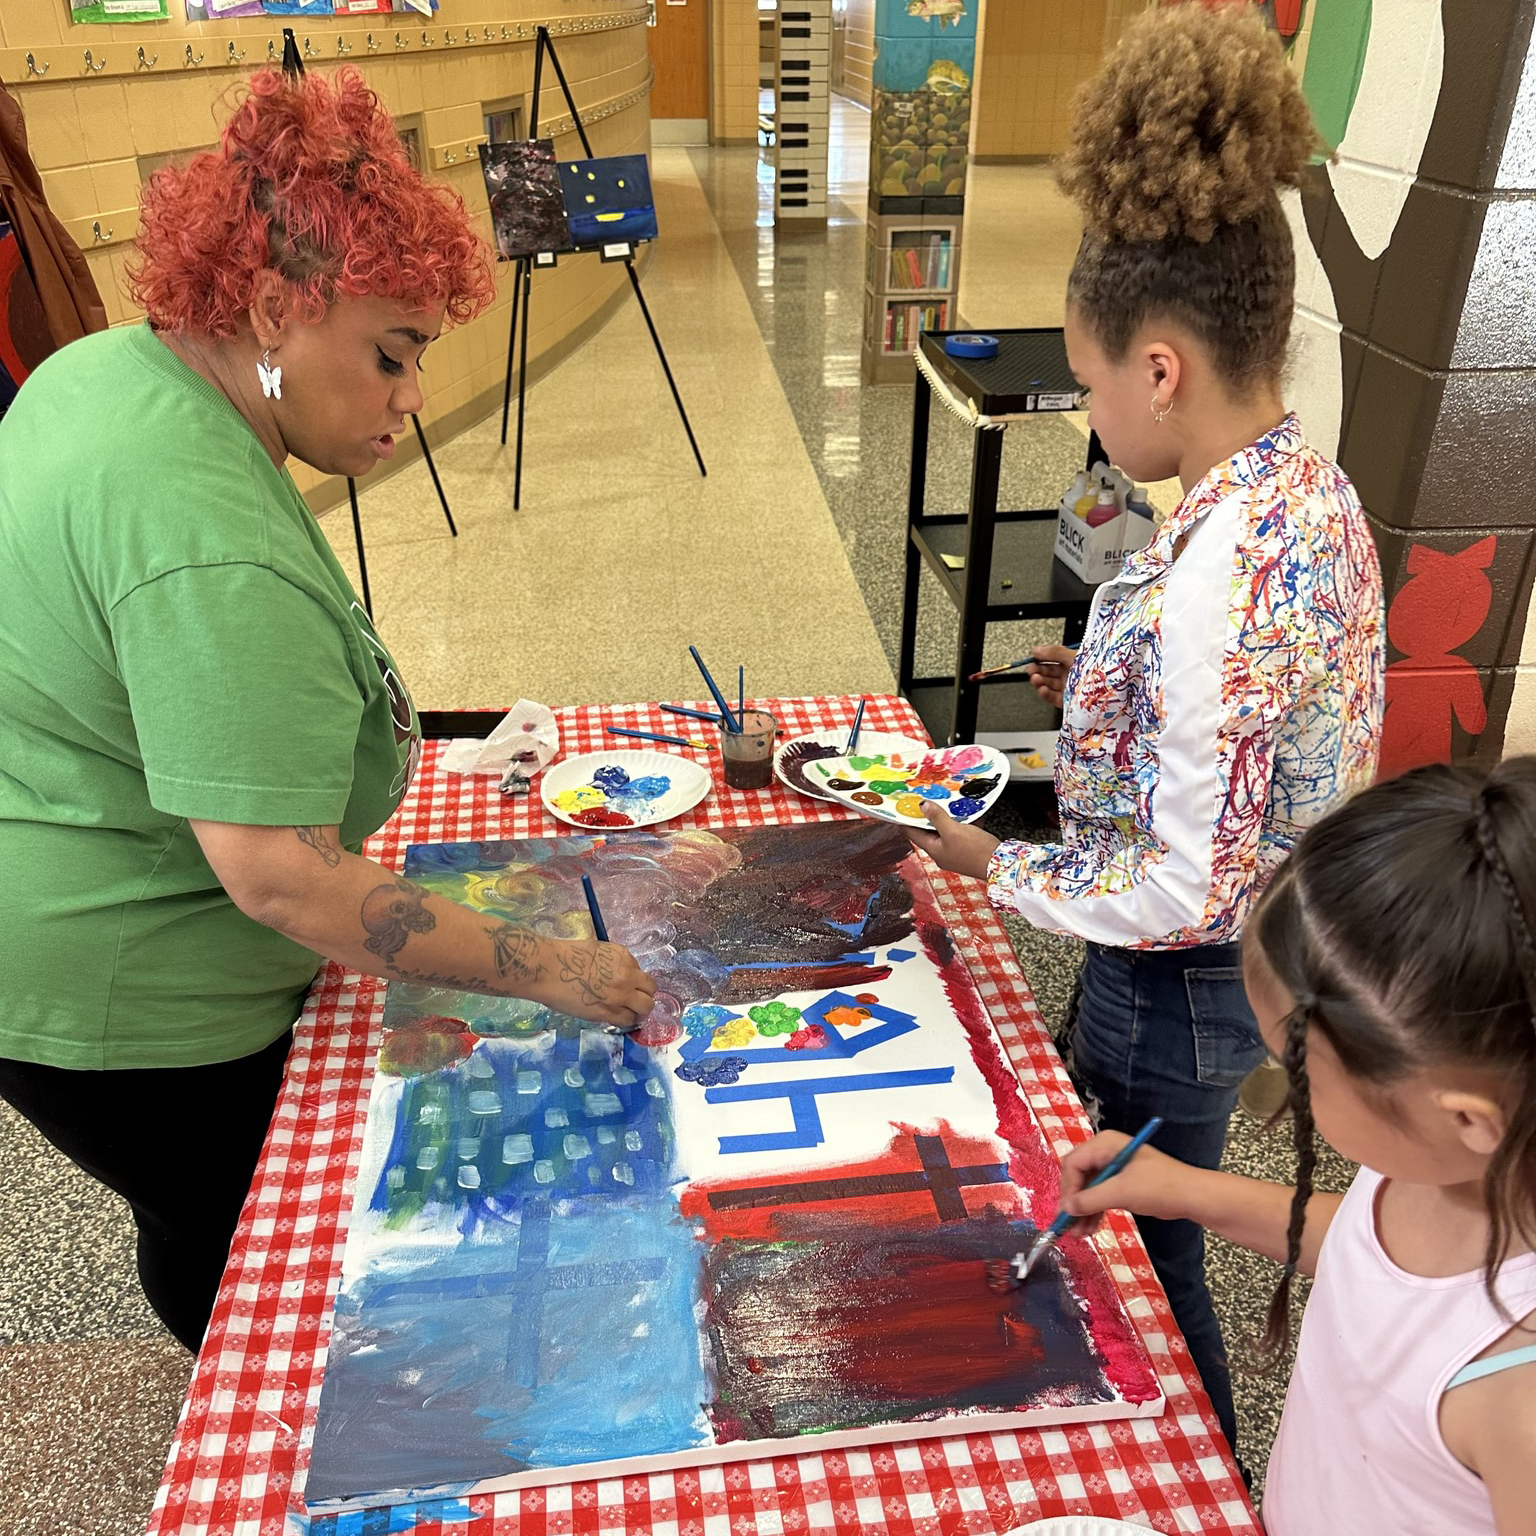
column 1228, row 690
column 1392, row 968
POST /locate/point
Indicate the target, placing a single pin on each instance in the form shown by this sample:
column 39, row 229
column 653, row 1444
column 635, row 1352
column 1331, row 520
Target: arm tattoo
column 315, row 838
column 590, row 971
column 391, row 913
column 516, row 953
column 444, row 979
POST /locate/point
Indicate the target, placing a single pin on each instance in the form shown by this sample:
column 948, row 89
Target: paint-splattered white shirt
column 1227, row 694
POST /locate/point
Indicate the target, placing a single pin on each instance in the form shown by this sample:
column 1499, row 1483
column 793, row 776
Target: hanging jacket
column 71, row 305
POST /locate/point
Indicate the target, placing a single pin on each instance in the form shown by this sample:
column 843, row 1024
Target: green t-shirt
column 176, row 640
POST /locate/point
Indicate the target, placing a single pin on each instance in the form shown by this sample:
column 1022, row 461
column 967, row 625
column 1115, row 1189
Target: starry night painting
column 761, row 1224
column 522, row 185
column 608, row 200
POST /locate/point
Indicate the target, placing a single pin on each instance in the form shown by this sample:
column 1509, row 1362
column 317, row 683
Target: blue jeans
column 1169, row 1032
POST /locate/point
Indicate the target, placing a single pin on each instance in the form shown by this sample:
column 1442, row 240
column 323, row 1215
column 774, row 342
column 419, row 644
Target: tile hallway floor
column 789, row 554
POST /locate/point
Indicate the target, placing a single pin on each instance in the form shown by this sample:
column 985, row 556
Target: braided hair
column 1402, row 928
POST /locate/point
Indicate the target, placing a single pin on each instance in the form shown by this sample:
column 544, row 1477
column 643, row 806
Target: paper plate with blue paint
column 612, row 791
column 894, row 786
column 794, row 758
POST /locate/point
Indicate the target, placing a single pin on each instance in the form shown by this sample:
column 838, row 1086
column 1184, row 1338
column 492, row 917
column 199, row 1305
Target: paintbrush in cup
column 727, row 719
column 1016, row 1272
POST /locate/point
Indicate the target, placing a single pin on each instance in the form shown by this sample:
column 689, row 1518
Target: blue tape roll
column 971, row 346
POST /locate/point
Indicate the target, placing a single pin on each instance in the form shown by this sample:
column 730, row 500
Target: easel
column 293, row 67
column 523, row 287
column 357, row 522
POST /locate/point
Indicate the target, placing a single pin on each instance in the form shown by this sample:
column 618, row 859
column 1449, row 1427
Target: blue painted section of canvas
column 804, row 1111
column 391, row 1520
column 567, row 1336
column 570, row 1112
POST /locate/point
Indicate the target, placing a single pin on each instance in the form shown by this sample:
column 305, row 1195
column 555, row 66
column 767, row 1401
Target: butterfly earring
column 271, row 378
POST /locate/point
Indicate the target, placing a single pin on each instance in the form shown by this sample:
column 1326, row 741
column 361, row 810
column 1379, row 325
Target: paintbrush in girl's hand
column 1004, row 1276
column 1017, row 666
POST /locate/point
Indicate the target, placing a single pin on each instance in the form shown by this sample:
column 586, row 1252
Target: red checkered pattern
column 236, row 1467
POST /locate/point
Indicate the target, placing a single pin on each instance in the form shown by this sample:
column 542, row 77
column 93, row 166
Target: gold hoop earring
column 1160, row 416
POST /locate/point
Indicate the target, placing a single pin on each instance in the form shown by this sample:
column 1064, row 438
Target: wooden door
column 680, row 54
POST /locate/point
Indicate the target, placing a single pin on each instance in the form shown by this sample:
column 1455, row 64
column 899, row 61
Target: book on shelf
column 904, row 323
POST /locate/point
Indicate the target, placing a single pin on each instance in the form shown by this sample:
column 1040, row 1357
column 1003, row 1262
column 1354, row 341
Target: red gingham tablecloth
column 236, row 1467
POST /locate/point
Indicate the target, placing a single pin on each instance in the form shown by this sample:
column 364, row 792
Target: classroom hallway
column 788, row 556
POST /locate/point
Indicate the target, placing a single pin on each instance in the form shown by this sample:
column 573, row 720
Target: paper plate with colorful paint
column 609, row 791
column 965, row 781
column 793, row 758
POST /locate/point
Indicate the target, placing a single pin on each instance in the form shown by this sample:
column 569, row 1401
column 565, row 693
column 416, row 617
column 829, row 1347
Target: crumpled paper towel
column 526, row 736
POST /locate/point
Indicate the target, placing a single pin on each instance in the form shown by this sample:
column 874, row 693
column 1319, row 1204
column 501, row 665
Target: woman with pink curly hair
column 198, row 724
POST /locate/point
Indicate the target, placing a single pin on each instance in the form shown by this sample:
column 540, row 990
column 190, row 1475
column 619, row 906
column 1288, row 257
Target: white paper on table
column 527, row 735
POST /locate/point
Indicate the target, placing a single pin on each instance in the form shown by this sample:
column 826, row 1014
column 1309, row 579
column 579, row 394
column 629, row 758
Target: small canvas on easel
column 522, row 185
column 760, row 1226
column 608, row 201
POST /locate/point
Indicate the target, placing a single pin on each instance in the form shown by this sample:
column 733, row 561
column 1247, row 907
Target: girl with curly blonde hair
column 1228, row 690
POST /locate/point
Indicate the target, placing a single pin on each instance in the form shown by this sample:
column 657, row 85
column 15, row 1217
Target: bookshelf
column 920, row 116
column 911, row 271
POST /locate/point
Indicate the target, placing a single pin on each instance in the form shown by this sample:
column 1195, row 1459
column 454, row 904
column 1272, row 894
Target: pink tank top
column 1359, row 1451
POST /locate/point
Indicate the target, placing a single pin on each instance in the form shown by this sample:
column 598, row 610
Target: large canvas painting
column 763, row 1224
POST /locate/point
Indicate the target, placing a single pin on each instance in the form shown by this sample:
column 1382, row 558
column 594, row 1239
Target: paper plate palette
column 794, row 758
column 609, row 791
column 965, row 781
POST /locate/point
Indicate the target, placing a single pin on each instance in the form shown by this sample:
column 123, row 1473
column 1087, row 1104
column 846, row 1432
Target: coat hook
column 373, row 46
column 234, row 58
column 32, row 68
column 506, row 36
column 271, row 51
column 400, row 42
column 146, row 63
column 426, row 40
column 487, row 33
column 309, row 53
column 92, row 65
column 343, row 46
column 190, row 60
column 97, row 237
column 450, row 39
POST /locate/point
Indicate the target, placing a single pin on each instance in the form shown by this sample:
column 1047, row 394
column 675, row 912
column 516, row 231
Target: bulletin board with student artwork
column 760, row 1225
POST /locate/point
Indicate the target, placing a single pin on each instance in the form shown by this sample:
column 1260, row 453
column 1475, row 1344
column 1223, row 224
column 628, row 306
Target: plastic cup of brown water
column 748, row 753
